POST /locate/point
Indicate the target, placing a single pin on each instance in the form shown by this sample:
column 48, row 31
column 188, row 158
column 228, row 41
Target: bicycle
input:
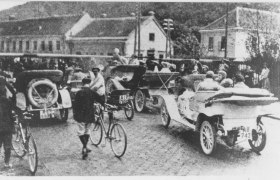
column 115, row 133
column 23, row 142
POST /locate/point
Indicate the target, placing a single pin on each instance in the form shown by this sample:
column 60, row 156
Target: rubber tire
column 213, row 134
column 33, row 171
column 125, row 140
column 64, row 114
column 20, row 153
column 263, row 142
column 41, row 82
column 130, row 103
column 164, row 112
column 139, row 109
column 96, row 127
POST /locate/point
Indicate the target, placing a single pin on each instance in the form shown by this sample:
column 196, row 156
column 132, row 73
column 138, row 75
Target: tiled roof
column 248, row 19
column 40, row 26
column 110, row 27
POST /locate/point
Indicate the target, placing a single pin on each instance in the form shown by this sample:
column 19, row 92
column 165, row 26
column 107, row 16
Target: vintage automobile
column 227, row 116
column 144, row 84
column 40, row 91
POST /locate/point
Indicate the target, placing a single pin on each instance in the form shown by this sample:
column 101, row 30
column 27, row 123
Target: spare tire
column 25, row 77
column 42, row 93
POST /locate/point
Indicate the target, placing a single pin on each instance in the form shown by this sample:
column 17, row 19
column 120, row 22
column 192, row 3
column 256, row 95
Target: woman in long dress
column 265, row 84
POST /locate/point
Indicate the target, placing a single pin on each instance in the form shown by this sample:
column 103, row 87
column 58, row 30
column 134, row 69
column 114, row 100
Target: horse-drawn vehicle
column 227, row 116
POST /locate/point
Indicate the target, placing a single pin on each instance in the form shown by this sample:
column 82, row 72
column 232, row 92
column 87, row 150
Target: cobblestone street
column 152, row 150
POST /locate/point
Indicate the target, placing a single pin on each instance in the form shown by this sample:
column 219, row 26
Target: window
column 141, row 56
column 20, row 46
column 101, row 54
column 43, row 45
column 58, row 45
column 161, row 56
column 35, row 44
column 94, row 53
column 223, row 43
column 8, row 46
column 211, row 44
column 50, row 46
column 27, row 45
column 110, row 54
column 152, row 36
column 2, row 45
column 14, row 45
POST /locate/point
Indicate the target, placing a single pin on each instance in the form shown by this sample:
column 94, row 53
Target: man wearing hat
column 83, row 113
column 97, row 84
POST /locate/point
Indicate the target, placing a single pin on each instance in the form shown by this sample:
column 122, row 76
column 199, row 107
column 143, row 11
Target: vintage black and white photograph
column 148, row 88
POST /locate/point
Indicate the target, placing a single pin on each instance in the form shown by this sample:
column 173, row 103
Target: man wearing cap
column 97, row 84
column 83, row 113
column 208, row 84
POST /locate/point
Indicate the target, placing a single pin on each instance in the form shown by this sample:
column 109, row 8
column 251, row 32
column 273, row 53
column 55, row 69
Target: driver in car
column 98, row 85
column 209, row 84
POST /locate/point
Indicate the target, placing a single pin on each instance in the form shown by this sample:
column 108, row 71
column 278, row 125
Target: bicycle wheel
column 96, row 133
column 129, row 110
column 18, row 144
column 32, row 155
column 118, row 140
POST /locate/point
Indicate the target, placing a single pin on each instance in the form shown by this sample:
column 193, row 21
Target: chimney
column 104, row 15
column 12, row 17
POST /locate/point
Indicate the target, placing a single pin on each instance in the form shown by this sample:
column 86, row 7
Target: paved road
column 152, row 150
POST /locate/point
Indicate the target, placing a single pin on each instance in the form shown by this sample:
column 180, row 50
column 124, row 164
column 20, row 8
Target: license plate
column 123, row 99
column 245, row 133
column 44, row 114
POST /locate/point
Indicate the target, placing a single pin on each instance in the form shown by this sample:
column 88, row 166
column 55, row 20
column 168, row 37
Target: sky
column 6, row 4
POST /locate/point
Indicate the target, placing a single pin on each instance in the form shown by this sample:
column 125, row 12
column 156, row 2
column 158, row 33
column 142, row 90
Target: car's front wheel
column 208, row 140
column 258, row 141
column 165, row 117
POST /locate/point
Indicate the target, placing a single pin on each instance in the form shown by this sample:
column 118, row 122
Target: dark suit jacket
column 83, row 107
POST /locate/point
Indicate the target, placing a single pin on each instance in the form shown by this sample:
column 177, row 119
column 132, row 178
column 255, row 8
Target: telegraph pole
column 168, row 26
column 135, row 32
column 226, row 33
column 139, row 22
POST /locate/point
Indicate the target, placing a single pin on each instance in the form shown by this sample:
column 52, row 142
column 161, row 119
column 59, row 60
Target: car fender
column 65, row 98
column 172, row 107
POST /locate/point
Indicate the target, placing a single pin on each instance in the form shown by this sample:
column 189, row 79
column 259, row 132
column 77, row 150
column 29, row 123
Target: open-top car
column 38, row 85
column 144, row 84
column 227, row 116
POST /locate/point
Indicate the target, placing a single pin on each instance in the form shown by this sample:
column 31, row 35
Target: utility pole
column 135, row 31
column 226, row 35
column 139, row 22
column 168, row 26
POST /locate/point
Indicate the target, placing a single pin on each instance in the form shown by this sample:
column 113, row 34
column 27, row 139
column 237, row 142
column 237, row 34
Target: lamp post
column 168, row 26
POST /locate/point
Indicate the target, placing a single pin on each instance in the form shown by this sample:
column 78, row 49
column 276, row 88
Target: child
column 84, row 113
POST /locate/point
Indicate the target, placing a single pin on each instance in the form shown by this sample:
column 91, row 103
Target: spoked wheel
column 18, row 144
column 258, row 141
column 208, row 139
column 165, row 117
column 32, row 155
column 129, row 111
column 139, row 100
column 64, row 114
column 118, row 140
column 96, row 133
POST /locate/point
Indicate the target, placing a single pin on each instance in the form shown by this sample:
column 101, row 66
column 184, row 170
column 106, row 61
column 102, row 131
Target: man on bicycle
column 98, row 85
column 83, row 111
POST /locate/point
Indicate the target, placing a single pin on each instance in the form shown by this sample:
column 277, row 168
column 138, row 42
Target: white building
column 82, row 34
column 102, row 35
column 241, row 22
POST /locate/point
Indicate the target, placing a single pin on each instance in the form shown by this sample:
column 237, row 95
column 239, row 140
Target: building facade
column 82, row 34
column 241, row 22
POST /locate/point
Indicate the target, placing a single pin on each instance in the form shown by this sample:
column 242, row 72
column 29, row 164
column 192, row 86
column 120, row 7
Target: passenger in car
column 227, row 83
column 208, row 84
column 221, row 76
column 239, row 81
